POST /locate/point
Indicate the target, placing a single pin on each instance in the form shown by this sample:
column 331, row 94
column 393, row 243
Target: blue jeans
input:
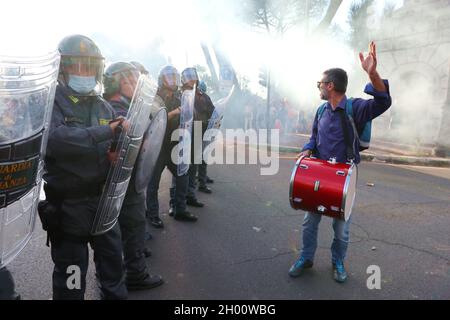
column 340, row 241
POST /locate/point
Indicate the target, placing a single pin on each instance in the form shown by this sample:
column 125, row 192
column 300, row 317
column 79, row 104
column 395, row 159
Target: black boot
column 185, row 216
column 194, row 203
column 204, row 189
column 156, row 222
column 147, row 253
column 149, row 282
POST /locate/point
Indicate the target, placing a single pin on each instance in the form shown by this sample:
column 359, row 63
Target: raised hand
column 369, row 63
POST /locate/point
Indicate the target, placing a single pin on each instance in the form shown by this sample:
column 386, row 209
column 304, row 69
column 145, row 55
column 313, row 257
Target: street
column 248, row 236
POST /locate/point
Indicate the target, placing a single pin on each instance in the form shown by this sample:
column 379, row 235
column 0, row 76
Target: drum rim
column 291, row 184
column 352, row 168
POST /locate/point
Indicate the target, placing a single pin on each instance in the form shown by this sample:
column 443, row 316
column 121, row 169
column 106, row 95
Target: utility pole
column 268, row 106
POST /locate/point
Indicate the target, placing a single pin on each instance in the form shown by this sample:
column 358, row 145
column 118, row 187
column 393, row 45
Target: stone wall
column 414, row 53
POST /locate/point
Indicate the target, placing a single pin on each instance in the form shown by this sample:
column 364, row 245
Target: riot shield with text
column 186, row 122
column 128, row 147
column 27, row 93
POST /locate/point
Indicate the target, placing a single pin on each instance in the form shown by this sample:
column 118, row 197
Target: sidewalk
column 381, row 151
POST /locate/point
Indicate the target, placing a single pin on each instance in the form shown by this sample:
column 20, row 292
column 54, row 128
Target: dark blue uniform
column 76, row 168
column 132, row 219
column 164, row 160
column 203, row 110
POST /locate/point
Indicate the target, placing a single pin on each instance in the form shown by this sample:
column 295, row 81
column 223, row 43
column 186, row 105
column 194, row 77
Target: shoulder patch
column 74, row 99
column 103, row 122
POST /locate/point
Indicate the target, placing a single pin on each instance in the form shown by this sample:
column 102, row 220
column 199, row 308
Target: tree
column 358, row 18
column 277, row 16
column 364, row 21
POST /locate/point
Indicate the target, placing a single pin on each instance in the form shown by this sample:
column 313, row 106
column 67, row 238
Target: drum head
column 349, row 191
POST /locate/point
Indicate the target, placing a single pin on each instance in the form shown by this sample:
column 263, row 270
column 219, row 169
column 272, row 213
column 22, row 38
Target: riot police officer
column 120, row 81
column 77, row 164
column 203, row 110
column 168, row 83
column 189, row 79
column 203, row 178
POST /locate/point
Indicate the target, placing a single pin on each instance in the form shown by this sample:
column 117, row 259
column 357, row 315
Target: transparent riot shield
column 128, row 147
column 150, row 149
column 215, row 122
column 27, row 93
column 186, row 122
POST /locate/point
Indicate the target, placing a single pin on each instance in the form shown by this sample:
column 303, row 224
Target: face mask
column 82, row 84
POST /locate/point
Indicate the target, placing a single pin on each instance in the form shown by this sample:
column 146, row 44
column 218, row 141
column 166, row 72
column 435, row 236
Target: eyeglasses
column 320, row 82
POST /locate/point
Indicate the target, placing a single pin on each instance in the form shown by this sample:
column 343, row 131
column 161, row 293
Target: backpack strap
column 348, row 145
column 349, row 112
column 320, row 110
column 349, row 107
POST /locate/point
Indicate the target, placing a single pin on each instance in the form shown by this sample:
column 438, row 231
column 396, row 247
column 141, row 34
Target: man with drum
column 328, row 141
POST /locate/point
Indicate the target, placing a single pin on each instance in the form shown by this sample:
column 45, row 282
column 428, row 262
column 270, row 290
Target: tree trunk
column 212, row 70
column 331, row 12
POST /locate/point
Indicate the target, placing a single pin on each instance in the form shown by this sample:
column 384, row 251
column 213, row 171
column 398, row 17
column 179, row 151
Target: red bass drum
column 323, row 187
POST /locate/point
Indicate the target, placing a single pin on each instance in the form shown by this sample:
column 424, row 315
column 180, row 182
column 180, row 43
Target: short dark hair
column 339, row 77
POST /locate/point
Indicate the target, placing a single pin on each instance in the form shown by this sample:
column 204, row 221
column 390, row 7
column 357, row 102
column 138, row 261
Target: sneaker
column 297, row 268
column 339, row 273
column 209, row 180
column 171, row 211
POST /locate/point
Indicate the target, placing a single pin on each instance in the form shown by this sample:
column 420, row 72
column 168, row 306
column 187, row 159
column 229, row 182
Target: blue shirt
column 327, row 139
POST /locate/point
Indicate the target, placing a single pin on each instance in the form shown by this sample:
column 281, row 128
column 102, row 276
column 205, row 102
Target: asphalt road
column 247, row 237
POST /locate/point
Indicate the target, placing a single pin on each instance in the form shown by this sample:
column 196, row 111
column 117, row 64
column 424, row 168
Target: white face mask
column 82, row 84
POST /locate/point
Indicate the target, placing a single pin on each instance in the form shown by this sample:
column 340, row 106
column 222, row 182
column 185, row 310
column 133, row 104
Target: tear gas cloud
column 161, row 32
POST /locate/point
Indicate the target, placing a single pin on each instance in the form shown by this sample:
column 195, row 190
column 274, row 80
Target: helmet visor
column 128, row 80
column 171, row 80
column 83, row 67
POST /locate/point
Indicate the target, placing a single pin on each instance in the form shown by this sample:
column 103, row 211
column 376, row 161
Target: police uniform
column 132, row 224
column 76, row 168
column 164, row 160
column 203, row 110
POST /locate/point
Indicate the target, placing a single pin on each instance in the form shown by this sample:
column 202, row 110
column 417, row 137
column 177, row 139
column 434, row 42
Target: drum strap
column 348, row 144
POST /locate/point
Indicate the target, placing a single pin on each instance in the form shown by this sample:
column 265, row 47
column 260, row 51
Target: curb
column 386, row 158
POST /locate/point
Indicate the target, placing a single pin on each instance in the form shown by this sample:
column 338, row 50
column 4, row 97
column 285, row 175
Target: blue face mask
column 82, row 84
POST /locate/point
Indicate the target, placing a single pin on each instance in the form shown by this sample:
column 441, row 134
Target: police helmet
column 81, row 66
column 114, row 73
column 169, row 78
column 140, row 67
